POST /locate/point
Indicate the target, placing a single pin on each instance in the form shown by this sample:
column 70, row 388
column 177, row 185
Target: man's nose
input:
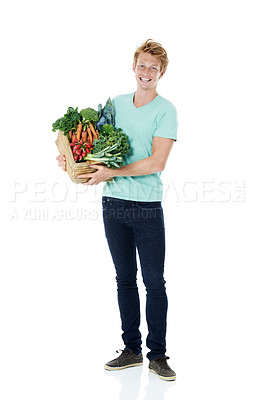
column 147, row 70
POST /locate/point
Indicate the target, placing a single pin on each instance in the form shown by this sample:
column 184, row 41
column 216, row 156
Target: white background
column 59, row 315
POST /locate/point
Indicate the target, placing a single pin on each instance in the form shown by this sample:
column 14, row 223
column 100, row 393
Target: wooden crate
column 74, row 169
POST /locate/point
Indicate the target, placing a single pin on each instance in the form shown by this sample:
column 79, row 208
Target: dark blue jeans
column 130, row 225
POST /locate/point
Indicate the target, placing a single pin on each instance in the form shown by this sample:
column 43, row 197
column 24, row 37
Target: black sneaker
column 160, row 367
column 126, row 359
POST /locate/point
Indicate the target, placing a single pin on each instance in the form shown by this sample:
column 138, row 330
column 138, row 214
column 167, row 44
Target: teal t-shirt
column 157, row 118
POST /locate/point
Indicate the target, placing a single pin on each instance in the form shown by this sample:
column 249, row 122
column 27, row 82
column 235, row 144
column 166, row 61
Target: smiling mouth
column 144, row 80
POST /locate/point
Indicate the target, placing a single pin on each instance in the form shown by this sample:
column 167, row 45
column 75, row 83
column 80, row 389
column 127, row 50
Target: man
column 132, row 211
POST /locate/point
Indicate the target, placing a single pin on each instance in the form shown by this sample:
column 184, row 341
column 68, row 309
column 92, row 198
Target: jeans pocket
column 149, row 205
column 149, row 211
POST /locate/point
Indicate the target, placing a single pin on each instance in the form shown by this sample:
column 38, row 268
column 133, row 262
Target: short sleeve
column 167, row 124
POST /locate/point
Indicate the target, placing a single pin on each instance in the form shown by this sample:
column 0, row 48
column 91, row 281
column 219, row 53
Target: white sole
column 171, row 378
column 118, row 368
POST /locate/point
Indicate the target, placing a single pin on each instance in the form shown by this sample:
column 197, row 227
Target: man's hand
column 102, row 173
column 62, row 162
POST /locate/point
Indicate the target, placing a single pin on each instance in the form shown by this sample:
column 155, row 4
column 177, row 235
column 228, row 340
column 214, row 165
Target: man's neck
column 143, row 97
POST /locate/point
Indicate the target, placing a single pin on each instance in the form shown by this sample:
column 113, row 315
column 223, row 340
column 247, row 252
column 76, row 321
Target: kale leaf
column 108, row 136
column 69, row 122
column 106, row 114
column 110, row 147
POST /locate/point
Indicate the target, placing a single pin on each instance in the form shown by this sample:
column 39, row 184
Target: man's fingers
column 60, row 157
column 61, row 162
column 85, row 176
column 90, row 182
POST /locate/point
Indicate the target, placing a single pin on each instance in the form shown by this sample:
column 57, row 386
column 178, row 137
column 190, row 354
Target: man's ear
column 162, row 74
column 133, row 67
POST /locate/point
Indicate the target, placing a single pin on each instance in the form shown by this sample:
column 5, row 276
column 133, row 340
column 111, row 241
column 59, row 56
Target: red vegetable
column 76, row 158
column 79, row 152
column 77, row 146
column 84, row 153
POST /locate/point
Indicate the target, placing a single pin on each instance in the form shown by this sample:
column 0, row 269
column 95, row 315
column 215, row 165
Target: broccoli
column 89, row 114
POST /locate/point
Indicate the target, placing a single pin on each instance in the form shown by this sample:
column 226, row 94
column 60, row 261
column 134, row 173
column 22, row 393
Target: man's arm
column 161, row 148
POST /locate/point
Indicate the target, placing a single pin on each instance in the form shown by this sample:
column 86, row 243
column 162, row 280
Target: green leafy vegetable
column 106, row 114
column 110, row 147
column 69, row 122
column 106, row 129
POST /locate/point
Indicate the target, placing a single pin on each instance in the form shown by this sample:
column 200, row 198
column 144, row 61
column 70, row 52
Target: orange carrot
column 79, row 131
column 89, row 135
column 93, row 131
column 70, row 135
column 84, row 136
column 73, row 137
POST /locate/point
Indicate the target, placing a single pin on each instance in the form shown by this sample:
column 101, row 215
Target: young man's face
column 147, row 71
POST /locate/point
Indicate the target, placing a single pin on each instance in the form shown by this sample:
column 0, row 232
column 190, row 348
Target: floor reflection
column 130, row 381
column 139, row 384
column 156, row 388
